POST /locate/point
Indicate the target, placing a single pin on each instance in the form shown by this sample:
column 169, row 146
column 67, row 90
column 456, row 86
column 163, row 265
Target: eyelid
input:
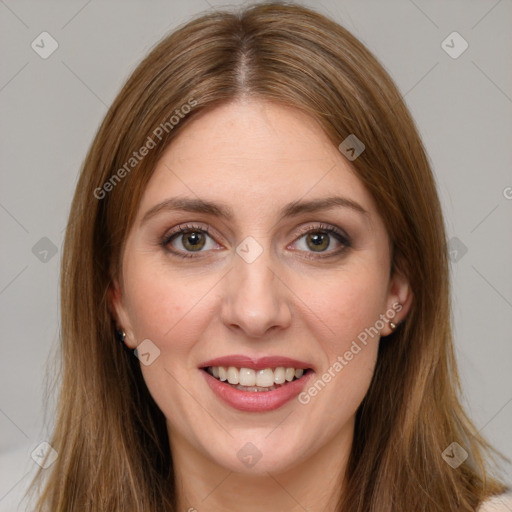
column 342, row 238
column 182, row 229
column 186, row 227
column 321, row 226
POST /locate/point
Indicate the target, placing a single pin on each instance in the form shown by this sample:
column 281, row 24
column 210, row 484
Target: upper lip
column 241, row 361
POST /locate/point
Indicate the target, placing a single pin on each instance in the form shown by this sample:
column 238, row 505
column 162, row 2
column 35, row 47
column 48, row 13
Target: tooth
column 222, row 373
column 265, row 378
column 290, row 374
column 233, row 375
column 247, row 377
column 250, row 378
column 279, row 375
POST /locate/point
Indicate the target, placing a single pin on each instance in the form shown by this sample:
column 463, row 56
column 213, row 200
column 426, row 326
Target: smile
column 256, row 385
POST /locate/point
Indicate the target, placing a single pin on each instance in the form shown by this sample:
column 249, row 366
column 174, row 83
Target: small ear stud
column 392, row 325
column 121, row 336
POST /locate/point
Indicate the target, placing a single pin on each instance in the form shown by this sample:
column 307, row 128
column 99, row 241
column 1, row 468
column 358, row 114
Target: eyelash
column 341, row 237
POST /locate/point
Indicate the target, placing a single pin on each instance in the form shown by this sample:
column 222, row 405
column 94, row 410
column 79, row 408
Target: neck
column 313, row 484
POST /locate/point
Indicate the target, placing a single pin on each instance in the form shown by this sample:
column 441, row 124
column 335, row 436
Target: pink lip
column 260, row 401
column 240, row 361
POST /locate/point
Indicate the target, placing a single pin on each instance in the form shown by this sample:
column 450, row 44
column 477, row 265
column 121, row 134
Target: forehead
column 256, row 156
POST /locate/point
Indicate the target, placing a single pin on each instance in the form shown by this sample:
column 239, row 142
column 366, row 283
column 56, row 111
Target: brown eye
column 189, row 241
column 193, row 240
column 318, row 242
column 324, row 240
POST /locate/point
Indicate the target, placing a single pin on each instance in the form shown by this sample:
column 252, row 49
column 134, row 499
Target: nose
column 255, row 300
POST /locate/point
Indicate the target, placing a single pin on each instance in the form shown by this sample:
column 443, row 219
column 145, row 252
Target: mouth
column 258, row 385
column 255, row 381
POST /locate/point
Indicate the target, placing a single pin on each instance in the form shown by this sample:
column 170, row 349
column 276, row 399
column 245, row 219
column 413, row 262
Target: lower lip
column 256, row 401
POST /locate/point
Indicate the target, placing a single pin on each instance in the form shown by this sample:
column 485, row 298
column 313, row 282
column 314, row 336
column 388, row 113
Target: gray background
column 51, row 108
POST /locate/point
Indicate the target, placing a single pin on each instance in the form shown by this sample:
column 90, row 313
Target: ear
column 119, row 312
column 399, row 301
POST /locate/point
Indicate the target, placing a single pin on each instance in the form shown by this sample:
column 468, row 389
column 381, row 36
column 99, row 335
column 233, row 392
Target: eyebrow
column 223, row 211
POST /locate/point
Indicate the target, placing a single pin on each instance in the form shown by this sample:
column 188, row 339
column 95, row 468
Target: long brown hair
column 111, row 438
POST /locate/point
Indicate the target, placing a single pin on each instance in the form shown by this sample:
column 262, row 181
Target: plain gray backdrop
column 51, row 108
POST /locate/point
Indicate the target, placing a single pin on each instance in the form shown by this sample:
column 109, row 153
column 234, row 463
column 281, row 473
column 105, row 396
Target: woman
column 257, row 224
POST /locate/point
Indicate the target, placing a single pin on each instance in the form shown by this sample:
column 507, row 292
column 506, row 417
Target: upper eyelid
column 188, row 226
column 322, row 226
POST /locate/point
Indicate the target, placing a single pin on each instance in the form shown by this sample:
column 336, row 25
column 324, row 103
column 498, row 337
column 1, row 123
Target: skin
column 256, row 157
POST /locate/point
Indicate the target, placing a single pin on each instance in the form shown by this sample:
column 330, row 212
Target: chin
column 256, row 455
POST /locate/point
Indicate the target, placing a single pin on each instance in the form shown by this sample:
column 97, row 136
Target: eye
column 322, row 239
column 325, row 240
column 188, row 239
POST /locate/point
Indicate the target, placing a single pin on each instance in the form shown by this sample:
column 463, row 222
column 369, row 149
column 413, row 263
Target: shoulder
column 502, row 503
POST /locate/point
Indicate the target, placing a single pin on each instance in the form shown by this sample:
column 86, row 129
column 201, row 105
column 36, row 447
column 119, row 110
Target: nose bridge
column 255, row 299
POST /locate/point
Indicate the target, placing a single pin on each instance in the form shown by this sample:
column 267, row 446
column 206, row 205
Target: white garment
column 501, row 503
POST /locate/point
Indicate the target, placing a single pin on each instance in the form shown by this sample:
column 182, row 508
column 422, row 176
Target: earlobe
column 119, row 314
column 399, row 302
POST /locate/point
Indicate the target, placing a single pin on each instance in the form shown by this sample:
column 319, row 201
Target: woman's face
column 284, row 263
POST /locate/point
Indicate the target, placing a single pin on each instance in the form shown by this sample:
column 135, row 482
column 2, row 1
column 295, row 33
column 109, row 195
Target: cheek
column 332, row 398
column 166, row 307
column 172, row 310
column 346, row 310
column 345, row 304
